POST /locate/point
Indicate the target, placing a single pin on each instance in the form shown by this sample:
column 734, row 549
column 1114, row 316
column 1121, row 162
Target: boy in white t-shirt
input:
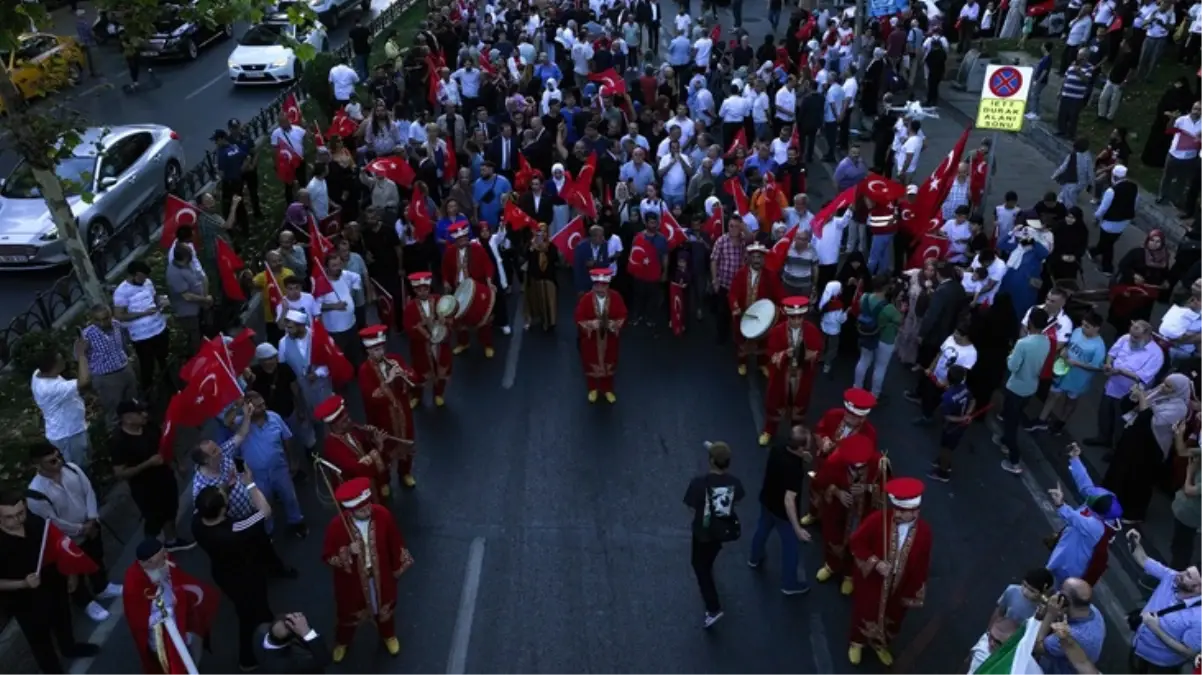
column 957, row 350
column 62, row 405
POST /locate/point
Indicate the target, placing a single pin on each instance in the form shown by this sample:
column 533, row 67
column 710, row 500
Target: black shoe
column 285, row 572
column 941, row 475
column 81, row 650
column 179, row 544
column 912, row 397
column 299, row 530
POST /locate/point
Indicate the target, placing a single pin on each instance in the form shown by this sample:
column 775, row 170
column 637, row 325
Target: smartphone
column 240, row 466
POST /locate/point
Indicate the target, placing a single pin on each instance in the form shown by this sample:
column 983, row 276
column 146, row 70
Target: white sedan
column 934, row 13
column 264, row 54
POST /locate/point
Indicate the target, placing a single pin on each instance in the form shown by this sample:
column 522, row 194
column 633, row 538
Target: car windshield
column 264, row 35
column 74, row 172
column 169, row 19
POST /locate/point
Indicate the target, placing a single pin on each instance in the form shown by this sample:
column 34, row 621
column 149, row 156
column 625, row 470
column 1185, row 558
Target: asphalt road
column 194, row 99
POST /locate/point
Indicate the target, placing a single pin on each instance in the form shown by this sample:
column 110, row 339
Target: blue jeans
column 361, row 66
column 790, row 548
column 674, row 200
column 275, row 481
column 879, row 260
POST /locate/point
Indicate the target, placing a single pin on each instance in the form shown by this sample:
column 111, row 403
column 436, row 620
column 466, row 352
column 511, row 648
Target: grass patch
column 1136, row 110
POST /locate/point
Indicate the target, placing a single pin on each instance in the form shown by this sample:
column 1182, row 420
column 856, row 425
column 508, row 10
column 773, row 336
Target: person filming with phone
column 289, row 645
column 1168, row 630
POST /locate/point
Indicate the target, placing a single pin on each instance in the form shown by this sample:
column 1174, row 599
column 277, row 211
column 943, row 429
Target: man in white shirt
column 61, row 493
column 296, row 298
column 468, row 79
column 1182, row 326
column 733, row 112
column 851, row 87
column 1181, row 164
column 682, row 122
column 786, row 108
column 448, row 89
column 995, row 269
column 674, row 169
column 62, row 405
column 342, row 79
column 582, row 53
column 906, row 159
column 828, row 245
column 338, row 308
column 1158, row 26
column 958, row 233
column 319, row 192
column 970, row 14
column 832, row 115
column 703, row 46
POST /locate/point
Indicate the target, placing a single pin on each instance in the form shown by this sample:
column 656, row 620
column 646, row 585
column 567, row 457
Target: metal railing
column 111, row 255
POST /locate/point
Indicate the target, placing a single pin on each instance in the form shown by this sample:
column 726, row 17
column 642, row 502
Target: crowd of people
column 516, row 149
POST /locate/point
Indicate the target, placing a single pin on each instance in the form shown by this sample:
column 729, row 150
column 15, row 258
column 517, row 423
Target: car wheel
column 190, row 49
column 75, row 73
column 99, row 231
column 173, row 177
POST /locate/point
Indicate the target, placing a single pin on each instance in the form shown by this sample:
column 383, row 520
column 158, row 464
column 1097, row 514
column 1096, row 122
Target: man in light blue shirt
column 264, row 450
column 637, row 171
column 761, row 161
column 1084, row 527
column 1025, row 364
column 680, row 55
column 487, row 191
column 1171, row 633
column 1085, row 623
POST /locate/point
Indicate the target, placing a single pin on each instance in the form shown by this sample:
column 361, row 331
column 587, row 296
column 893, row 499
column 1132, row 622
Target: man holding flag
column 296, row 351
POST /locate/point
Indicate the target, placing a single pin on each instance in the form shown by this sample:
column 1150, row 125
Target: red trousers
column 463, row 338
column 344, row 633
column 605, row 385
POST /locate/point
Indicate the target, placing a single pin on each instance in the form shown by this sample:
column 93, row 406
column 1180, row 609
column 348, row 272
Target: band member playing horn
column 356, row 451
column 467, row 259
column 835, row 426
column 892, row 552
column 385, row 383
column 367, row 553
column 752, row 283
column 600, row 314
column 793, row 349
column 429, row 350
column 849, row 487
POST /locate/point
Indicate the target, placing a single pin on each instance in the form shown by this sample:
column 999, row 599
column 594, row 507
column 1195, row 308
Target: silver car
column 122, row 167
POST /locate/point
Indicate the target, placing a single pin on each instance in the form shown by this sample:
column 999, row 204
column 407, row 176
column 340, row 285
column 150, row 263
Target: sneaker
column 711, row 619
column 109, row 592
column 1031, row 116
column 96, row 613
column 179, row 544
column 1037, row 425
column 506, row 330
column 800, row 590
column 940, row 475
column 754, row 564
column 912, row 397
column 999, row 418
column 1011, row 467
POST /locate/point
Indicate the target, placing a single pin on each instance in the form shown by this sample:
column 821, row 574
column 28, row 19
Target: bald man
column 1072, row 605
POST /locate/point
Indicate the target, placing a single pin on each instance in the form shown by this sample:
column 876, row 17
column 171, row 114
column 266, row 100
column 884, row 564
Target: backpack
column 868, row 325
column 720, row 528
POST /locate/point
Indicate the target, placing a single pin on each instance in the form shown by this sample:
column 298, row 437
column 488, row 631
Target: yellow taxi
column 43, row 63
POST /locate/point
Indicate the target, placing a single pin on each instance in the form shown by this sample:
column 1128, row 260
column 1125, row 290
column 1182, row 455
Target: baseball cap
column 218, row 135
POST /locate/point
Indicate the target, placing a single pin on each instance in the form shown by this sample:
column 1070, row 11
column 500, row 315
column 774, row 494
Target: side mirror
column 107, row 182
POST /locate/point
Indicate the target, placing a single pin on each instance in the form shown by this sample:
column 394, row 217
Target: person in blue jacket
column 1082, row 547
column 1024, row 257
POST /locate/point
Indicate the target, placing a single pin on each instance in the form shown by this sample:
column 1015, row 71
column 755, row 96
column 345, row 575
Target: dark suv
column 181, row 31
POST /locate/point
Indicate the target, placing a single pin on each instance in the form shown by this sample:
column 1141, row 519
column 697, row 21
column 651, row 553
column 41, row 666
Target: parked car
column 264, row 54
column 330, row 11
column 122, row 167
column 178, row 33
column 931, row 7
column 42, row 63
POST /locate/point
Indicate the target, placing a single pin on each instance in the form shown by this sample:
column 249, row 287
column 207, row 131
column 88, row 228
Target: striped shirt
column 106, row 348
column 240, row 506
column 1076, row 82
column 728, row 258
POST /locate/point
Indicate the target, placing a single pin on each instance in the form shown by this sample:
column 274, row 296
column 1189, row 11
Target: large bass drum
column 464, row 295
column 479, row 307
column 757, row 319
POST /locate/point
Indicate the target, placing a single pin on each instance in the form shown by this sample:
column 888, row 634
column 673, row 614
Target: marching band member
column 431, row 359
column 467, row 259
column 752, row 283
column 835, row 426
column 600, row 314
column 356, row 451
column 169, row 612
column 367, row 553
column 793, row 348
column 848, row 487
column 385, row 383
column 892, row 552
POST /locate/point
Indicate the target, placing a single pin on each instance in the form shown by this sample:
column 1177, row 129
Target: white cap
column 1119, row 171
column 911, row 189
column 266, row 351
column 297, row 316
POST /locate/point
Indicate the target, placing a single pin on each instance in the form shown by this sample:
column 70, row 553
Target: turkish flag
column 177, row 213
column 978, row 174
column 579, row 191
column 609, row 78
column 241, row 350
column 795, row 142
column 432, row 81
column 320, row 279
column 210, row 388
column 671, row 229
column 676, row 308
column 287, row 161
column 319, row 245
column 235, row 355
column 525, row 173
column 228, row 266
column 740, row 141
column 714, row 226
column 292, row 110
column 395, row 169
column 932, row 246
column 569, row 237
column 516, row 218
column 418, row 215
column 775, row 261
column 385, row 305
column 935, row 188
column 323, row 352
column 275, row 294
column 318, row 139
column 773, row 212
column 644, row 263
column 450, row 163
column 485, row 64
column 735, row 187
column 60, row 552
column 342, row 125
column 170, row 426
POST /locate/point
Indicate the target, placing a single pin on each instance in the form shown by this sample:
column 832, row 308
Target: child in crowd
column 957, row 406
column 831, row 314
column 1074, row 370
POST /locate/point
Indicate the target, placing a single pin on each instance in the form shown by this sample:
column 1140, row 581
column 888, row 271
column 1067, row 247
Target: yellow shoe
column 847, row 586
column 459, row 349
column 764, row 371
column 611, row 397
column 742, row 369
column 884, row 656
column 409, row 481
column 393, row 646
column 855, row 653
column 824, row 574
column 385, row 491
column 414, row 402
column 765, row 439
column 489, row 352
column 592, row 396
column 808, row 520
column 439, row 401
column 339, row 653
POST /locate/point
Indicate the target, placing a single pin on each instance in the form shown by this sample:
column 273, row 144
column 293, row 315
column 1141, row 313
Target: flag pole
column 42, row 550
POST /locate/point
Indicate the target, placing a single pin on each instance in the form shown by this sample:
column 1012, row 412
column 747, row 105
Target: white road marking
column 462, row 637
column 206, row 85
column 518, row 325
column 819, row 645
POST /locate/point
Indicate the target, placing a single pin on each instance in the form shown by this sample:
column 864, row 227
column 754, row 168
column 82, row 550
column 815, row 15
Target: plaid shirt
column 106, row 349
column 728, row 257
column 240, row 506
column 957, row 196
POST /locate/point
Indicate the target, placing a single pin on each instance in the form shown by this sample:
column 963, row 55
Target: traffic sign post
column 1004, row 98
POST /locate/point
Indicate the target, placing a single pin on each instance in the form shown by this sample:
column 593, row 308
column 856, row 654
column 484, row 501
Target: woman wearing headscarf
column 852, row 278
column 542, row 290
column 1071, row 239
column 831, row 316
column 920, row 283
column 874, row 77
column 550, row 93
column 1142, row 274
column 1145, row 442
column 1175, row 101
column 554, row 187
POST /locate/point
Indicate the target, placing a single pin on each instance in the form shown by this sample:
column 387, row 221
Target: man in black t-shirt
column 134, row 448
column 783, row 478
column 712, row 497
column 360, row 38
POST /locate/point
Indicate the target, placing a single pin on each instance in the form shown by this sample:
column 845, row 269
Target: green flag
column 1014, row 657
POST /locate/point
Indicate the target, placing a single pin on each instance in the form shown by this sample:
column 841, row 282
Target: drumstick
column 329, row 466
